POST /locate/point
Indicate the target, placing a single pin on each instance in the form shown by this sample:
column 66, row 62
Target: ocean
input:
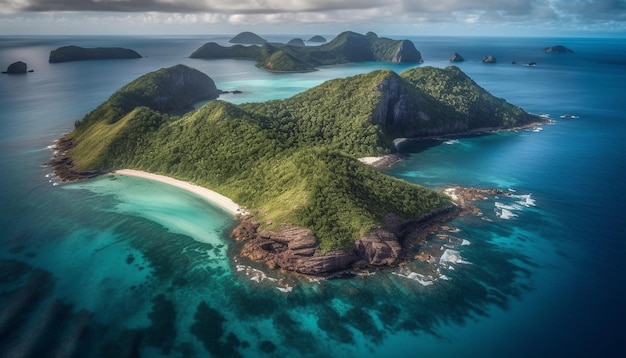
column 120, row 266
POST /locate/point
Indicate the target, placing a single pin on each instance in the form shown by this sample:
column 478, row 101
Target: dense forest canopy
column 295, row 160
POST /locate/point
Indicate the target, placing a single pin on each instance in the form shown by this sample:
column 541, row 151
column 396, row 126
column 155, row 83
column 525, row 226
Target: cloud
column 189, row 6
column 556, row 14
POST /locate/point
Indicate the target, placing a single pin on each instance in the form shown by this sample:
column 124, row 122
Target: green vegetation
column 288, row 161
column 76, row 53
column 346, row 47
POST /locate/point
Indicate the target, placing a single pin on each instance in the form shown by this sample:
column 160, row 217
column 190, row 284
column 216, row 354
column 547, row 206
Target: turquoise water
column 119, row 265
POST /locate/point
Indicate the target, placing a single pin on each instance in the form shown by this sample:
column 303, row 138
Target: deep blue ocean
column 120, row 266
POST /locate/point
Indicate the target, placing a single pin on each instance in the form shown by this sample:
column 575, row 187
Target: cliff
column 75, row 53
column 346, row 47
column 292, row 163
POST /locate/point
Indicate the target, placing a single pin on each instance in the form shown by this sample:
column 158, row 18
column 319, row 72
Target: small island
column 76, row 53
column 455, row 57
column 308, row 204
column 247, row 38
column 18, row 67
column 317, row 38
column 345, row 48
column 557, row 49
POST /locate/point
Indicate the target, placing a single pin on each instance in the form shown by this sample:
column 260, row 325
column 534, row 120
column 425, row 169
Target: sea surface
column 116, row 266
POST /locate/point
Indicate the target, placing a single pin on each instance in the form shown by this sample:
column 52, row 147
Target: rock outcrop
column 18, row 67
column 489, row 59
column 296, row 249
column 455, row 57
column 292, row 248
column 406, row 52
column 557, row 49
column 76, row 53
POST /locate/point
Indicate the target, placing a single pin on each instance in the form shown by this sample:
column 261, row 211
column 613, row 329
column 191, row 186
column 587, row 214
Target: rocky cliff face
column 406, row 52
column 296, row 249
column 292, row 248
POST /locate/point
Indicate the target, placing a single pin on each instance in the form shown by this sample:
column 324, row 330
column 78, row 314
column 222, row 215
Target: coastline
column 209, row 195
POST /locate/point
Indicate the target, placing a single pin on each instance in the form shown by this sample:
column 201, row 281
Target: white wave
column 423, row 280
column 508, row 207
column 569, row 116
column 465, row 242
column 525, row 200
column 451, row 141
column 452, row 256
column 285, row 289
column 506, row 214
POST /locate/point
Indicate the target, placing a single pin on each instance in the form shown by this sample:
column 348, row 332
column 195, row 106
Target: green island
column 346, row 47
column 77, row 53
column 313, row 206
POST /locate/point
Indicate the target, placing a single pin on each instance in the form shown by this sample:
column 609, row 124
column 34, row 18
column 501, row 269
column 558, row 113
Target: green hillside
column 288, row 161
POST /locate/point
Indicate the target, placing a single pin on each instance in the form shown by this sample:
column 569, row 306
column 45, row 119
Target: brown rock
column 380, row 248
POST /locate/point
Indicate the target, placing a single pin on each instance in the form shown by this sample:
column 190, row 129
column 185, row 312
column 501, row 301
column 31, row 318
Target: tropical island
column 308, row 203
column 76, row 53
column 345, row 48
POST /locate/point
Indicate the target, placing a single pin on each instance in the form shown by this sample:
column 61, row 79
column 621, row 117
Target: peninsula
column 346, row 47
column 76, row 53
column 292, row 164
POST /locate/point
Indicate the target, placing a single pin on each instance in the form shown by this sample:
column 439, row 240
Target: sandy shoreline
column 214, row 197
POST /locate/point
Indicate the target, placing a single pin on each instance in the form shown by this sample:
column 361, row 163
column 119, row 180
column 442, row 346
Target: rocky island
column 76, row 53
column 346, row 47
column 292, row 164
column 18, row 67
column 247, row 38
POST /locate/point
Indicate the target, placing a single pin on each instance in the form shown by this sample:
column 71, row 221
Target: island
column 317, row 38
column 308, row 203
column 76, row 53
column 455, row 57
column 296, row 42
column 18, row 67
column 557, row 49
column 346, row 47
column 247, row 38
column 489, row 59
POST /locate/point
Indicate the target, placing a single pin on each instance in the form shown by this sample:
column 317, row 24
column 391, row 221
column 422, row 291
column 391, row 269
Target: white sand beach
column 215, row 198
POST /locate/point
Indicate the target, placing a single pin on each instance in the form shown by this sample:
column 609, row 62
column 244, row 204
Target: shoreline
column 209, row 195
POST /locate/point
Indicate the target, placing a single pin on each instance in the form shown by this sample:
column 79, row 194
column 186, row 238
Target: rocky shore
column 295, row 248
column 64, row 166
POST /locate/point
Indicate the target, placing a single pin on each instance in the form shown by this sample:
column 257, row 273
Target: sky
column 387, row 17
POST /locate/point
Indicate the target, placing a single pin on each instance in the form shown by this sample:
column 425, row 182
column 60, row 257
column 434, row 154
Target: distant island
column 317, row 38
column 76, row 53
column 18, row 67
column 247, row 38
column 292, row 164
column 346, row 47
column 557, row 49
